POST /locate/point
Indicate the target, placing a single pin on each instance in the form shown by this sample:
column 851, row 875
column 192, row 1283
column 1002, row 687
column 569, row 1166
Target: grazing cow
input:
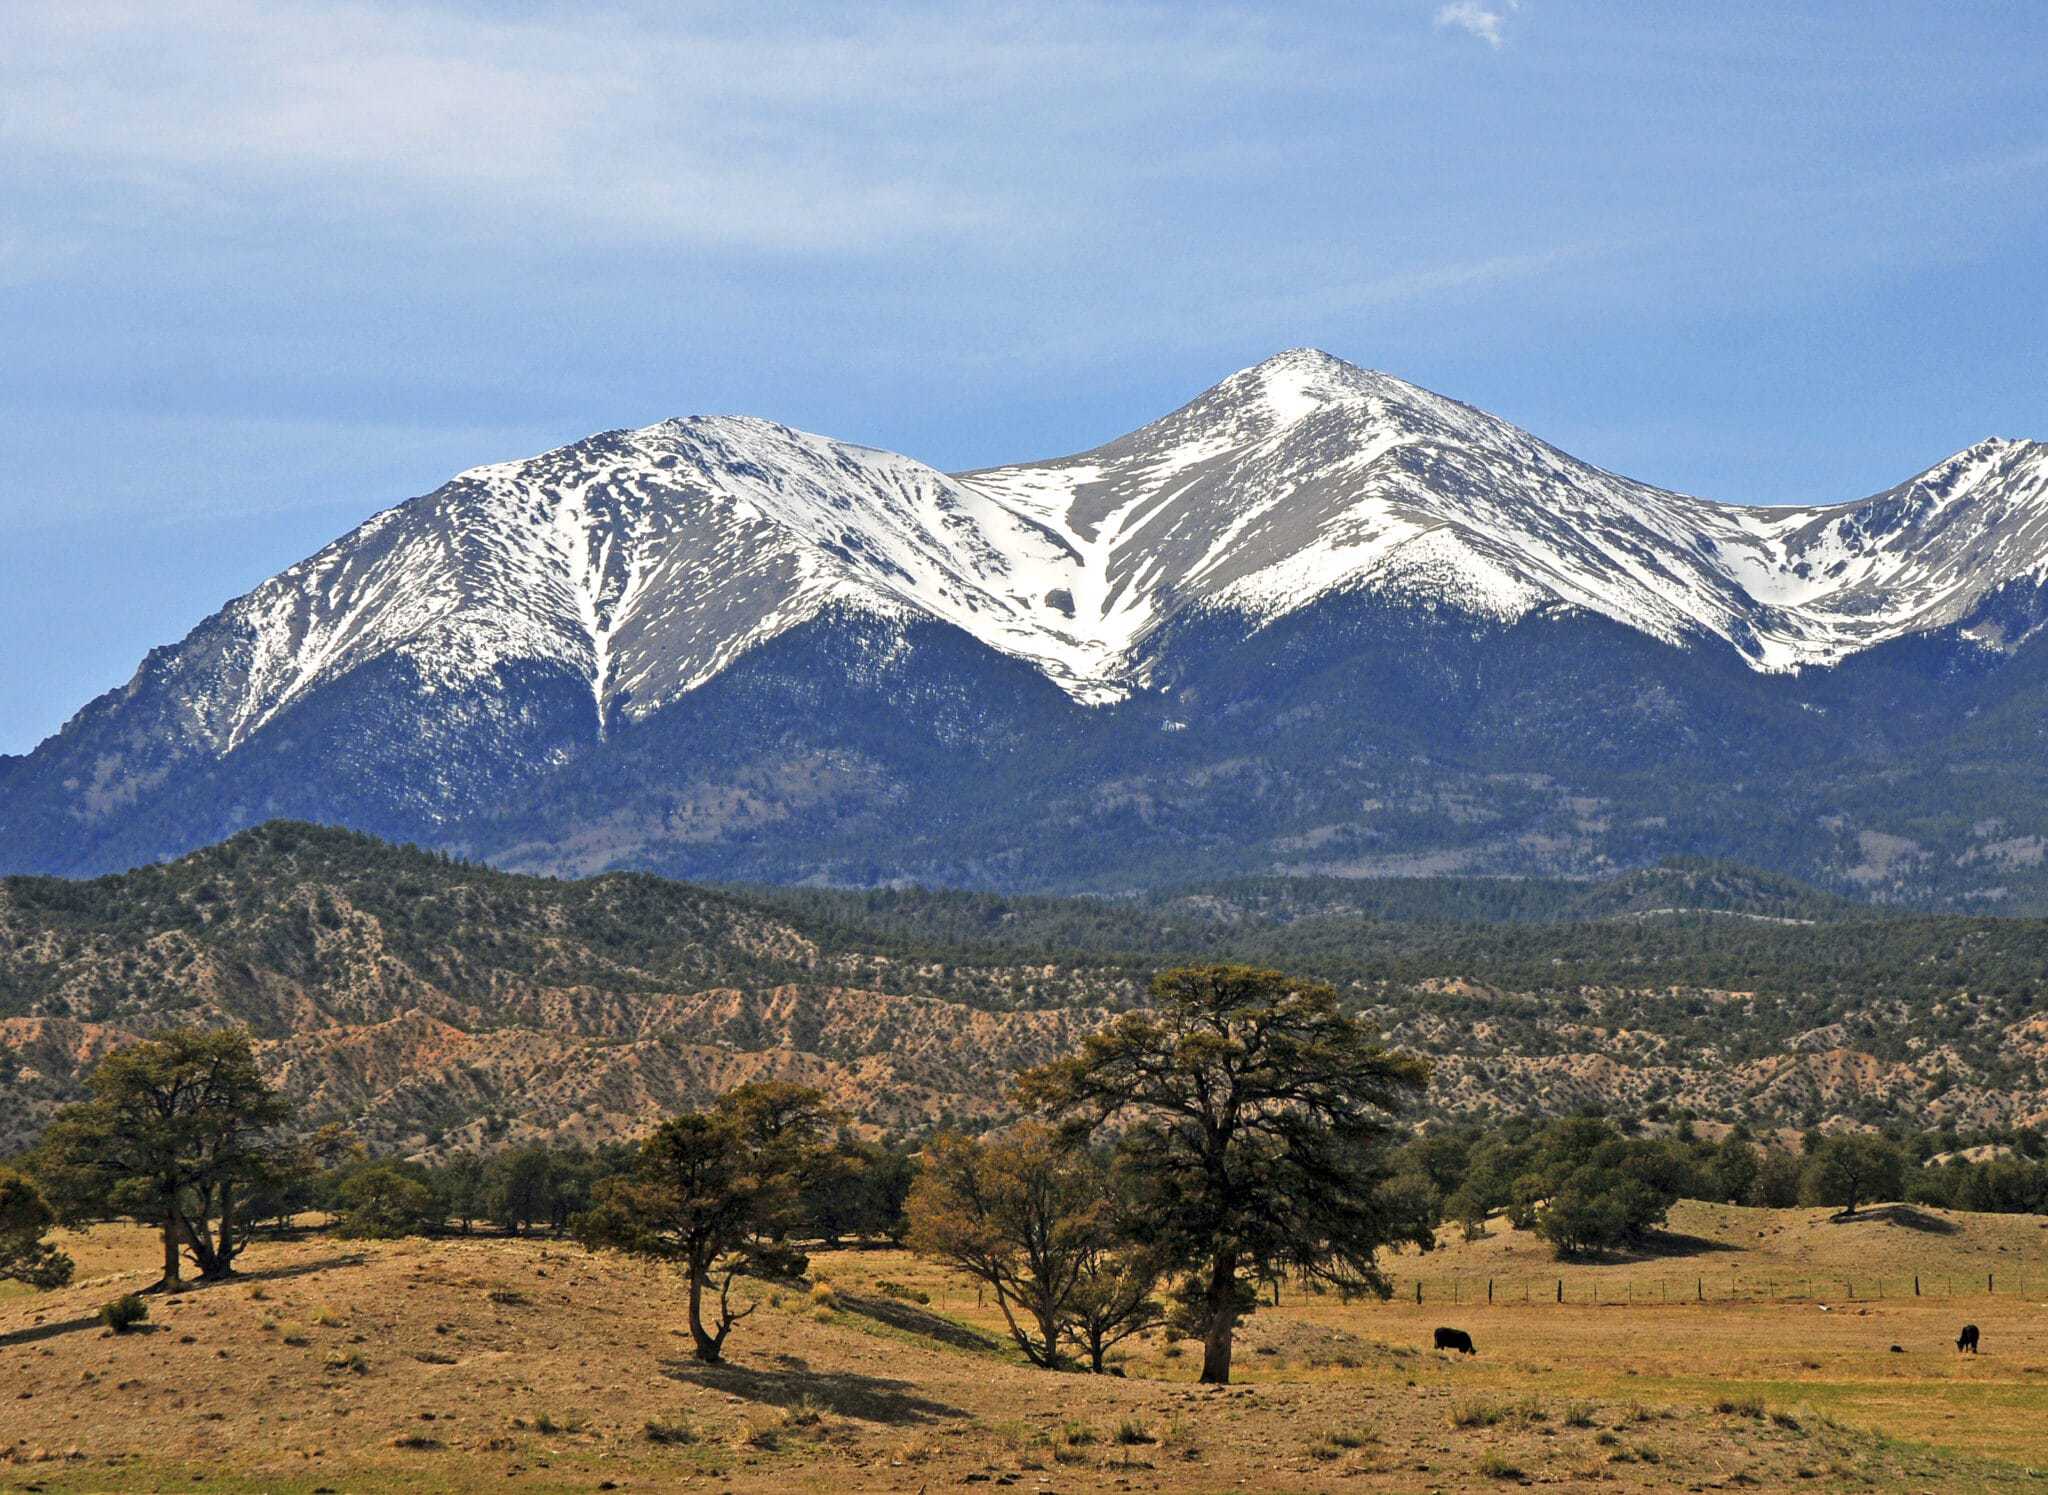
column 1967, row 1340
column 1455, row 1339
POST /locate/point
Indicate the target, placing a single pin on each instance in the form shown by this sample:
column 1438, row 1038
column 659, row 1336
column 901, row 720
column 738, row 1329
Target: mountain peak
column 1294, row 383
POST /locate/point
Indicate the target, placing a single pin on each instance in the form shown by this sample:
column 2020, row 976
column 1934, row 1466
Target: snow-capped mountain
column 440, row 662
column 1306, row 474
column 648, row 560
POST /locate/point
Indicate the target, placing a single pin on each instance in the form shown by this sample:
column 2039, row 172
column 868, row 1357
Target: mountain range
column 1318, row 620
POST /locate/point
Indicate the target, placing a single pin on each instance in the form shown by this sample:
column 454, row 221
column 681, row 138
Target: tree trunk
column 173, row 1278
column 223, row 1262
column 707, row 1347
column 1049, row 1331
column 1222, row 1325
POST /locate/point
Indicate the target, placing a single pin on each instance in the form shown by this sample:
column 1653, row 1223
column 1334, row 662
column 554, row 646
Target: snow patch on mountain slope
column 646, row 562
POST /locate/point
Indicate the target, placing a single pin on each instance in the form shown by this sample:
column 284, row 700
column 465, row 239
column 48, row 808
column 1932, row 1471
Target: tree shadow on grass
column 911, row 1319
column 844, row 1393
column 51, row 1331
column 303, row 1269
column 1658, row 1245
column 1897, row 1214
column 37, row 1332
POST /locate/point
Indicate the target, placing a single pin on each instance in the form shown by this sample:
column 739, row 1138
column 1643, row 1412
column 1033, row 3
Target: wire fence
column 1608, row 1289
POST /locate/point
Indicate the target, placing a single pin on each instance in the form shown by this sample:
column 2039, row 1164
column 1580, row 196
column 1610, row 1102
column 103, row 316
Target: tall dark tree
column 524, row 1187
column 25, row 1219
column 710, row 1191
column 857, row 1188
column 1850, row 1169
column 179, row 1129
column 1258, row 1119
column 461, row 1189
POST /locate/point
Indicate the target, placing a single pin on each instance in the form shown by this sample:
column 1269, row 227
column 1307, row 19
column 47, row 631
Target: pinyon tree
column 712, row 1191
column 25, row 1256
column 1022, row 1213
column 179, row 1129
column 1257, row 1119
column 1852, row 1169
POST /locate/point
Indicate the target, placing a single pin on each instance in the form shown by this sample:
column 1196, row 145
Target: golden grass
column 530, row 1365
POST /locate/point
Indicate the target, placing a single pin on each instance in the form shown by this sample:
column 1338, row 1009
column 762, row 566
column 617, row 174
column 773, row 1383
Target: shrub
column 124, row 1313
column 672, row 1434
column 547, row 1425
column 1131, row 1432
column 1476, row 1414
column 1493, row 1466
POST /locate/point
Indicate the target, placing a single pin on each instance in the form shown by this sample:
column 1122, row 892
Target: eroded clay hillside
column 432, row 1004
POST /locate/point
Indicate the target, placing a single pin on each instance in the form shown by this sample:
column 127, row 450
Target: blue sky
column 268, row 266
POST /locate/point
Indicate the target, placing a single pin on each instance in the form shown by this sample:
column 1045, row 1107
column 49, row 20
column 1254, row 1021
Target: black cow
column 1967, row 1340
column 1455, row 1339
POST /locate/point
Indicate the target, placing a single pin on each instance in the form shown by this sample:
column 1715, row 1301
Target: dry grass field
column 530, row 1365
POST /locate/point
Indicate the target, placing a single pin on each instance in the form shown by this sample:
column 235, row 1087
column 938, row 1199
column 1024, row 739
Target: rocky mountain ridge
column 720, row 647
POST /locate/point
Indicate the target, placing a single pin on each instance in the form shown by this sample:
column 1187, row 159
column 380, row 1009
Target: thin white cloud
column 1478, row 20
column 691, row 127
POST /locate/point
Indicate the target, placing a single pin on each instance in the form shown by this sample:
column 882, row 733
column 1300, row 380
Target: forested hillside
column 432, row 1003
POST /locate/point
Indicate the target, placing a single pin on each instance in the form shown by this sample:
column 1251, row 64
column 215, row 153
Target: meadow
column 466, row 1364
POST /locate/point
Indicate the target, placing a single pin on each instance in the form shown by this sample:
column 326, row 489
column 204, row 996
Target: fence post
column 1560, row 1289
column 1987, row 1284
column 1418, row 1290
column 1916, row 1284
column 1701, row 1287
column 1489, row 1292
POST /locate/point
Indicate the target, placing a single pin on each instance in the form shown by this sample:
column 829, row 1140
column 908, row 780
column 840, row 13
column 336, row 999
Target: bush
column 124, row 1313
column 383, row 1203
column 1476, row 1414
